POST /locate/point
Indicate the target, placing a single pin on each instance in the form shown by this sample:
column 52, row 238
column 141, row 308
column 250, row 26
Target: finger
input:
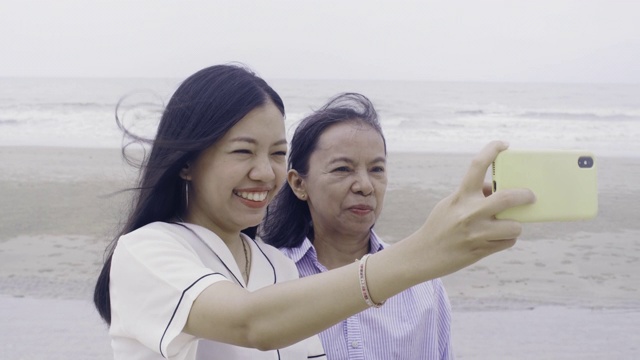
column 505, row 230
column 498, row 230
column 474, row 178
column 500, row 235
column 487, row 189
column 505, row 199
column 499, row 245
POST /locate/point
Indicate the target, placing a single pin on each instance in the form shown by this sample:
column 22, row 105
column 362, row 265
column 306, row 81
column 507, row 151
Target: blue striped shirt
column 415, row 324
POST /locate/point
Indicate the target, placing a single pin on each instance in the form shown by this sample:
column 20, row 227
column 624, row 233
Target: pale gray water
column 416, row 116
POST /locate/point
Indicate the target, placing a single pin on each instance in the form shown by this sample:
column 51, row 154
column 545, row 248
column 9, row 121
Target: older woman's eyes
column 342, row 169
column 242, row 151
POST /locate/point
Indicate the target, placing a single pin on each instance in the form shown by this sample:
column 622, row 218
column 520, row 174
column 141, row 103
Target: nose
column 362, row 184
column 262, row 170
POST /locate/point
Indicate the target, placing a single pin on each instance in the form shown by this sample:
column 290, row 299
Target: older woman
column 323, row 219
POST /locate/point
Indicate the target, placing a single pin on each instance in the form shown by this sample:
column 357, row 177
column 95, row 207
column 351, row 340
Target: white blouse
column 158, row 271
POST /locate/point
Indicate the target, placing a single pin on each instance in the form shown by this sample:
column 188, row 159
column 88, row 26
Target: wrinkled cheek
column 380, row 202
column 281, row 173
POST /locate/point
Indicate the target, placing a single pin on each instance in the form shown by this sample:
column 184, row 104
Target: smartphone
column 564, row 182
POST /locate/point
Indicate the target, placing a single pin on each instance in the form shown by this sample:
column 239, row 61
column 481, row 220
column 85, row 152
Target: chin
column 361, row 227
column 251, row 221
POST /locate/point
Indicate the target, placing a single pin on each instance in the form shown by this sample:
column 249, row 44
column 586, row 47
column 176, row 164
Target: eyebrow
column 251, row 140
column 348, row 160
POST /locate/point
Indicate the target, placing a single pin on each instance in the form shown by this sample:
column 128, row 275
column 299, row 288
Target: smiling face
column 232, row 181
column 346, row 181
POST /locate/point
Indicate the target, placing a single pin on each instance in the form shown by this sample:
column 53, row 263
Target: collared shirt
column 159, row 270
column 414, row 324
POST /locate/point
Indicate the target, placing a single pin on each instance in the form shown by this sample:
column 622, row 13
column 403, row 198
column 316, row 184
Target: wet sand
column 564, row 291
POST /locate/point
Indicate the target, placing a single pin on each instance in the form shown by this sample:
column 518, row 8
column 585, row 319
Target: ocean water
column 416, row 116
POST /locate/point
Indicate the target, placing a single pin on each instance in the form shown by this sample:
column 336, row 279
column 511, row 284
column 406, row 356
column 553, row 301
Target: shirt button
column 354, row 344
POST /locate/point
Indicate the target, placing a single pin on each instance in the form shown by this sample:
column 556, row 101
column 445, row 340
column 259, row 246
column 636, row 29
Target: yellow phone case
column 564, row 182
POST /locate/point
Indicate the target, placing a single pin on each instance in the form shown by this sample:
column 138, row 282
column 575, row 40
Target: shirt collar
column 297, row 253
column 375, row 243
column 306, row 249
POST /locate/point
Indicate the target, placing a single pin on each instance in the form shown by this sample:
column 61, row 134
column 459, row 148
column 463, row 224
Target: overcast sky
column 465, row 40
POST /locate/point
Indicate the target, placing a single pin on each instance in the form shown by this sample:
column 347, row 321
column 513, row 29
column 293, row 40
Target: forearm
column 280, row 315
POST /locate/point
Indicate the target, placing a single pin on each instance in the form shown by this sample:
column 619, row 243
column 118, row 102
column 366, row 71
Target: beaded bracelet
column 363, row 283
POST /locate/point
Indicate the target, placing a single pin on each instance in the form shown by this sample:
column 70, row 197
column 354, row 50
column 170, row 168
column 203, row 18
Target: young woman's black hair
column 203, row 108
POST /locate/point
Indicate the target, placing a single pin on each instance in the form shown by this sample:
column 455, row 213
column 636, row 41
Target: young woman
column 323, row 219
column 184, row 281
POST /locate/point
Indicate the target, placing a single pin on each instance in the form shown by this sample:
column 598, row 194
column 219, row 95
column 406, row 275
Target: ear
column 297, row 184
column 185, row 172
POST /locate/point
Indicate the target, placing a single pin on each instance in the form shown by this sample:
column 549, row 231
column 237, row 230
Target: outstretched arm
column 460, row 230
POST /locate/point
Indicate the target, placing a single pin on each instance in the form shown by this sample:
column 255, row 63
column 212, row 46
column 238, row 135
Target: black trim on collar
column 275, row 277
column 178, row 305
column 214, row 253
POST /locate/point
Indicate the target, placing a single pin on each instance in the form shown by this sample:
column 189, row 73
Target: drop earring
column 186, row 194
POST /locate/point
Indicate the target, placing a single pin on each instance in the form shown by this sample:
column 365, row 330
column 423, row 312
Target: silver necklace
column 244, row 248
column 246, row 258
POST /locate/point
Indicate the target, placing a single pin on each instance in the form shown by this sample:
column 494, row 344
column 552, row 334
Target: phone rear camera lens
column 585, row 162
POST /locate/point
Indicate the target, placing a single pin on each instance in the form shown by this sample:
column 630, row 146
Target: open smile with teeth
column 253, row 196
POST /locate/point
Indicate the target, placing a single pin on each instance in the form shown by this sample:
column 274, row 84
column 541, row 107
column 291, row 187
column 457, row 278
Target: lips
column 361, row 209
column 257, row 196
column 254, row 199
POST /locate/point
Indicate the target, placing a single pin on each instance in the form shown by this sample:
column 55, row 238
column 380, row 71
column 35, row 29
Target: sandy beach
column 564, row 291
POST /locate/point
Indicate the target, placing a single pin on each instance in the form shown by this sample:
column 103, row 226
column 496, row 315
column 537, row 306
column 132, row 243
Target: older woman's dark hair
column 203, row 108
column 288, row 219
